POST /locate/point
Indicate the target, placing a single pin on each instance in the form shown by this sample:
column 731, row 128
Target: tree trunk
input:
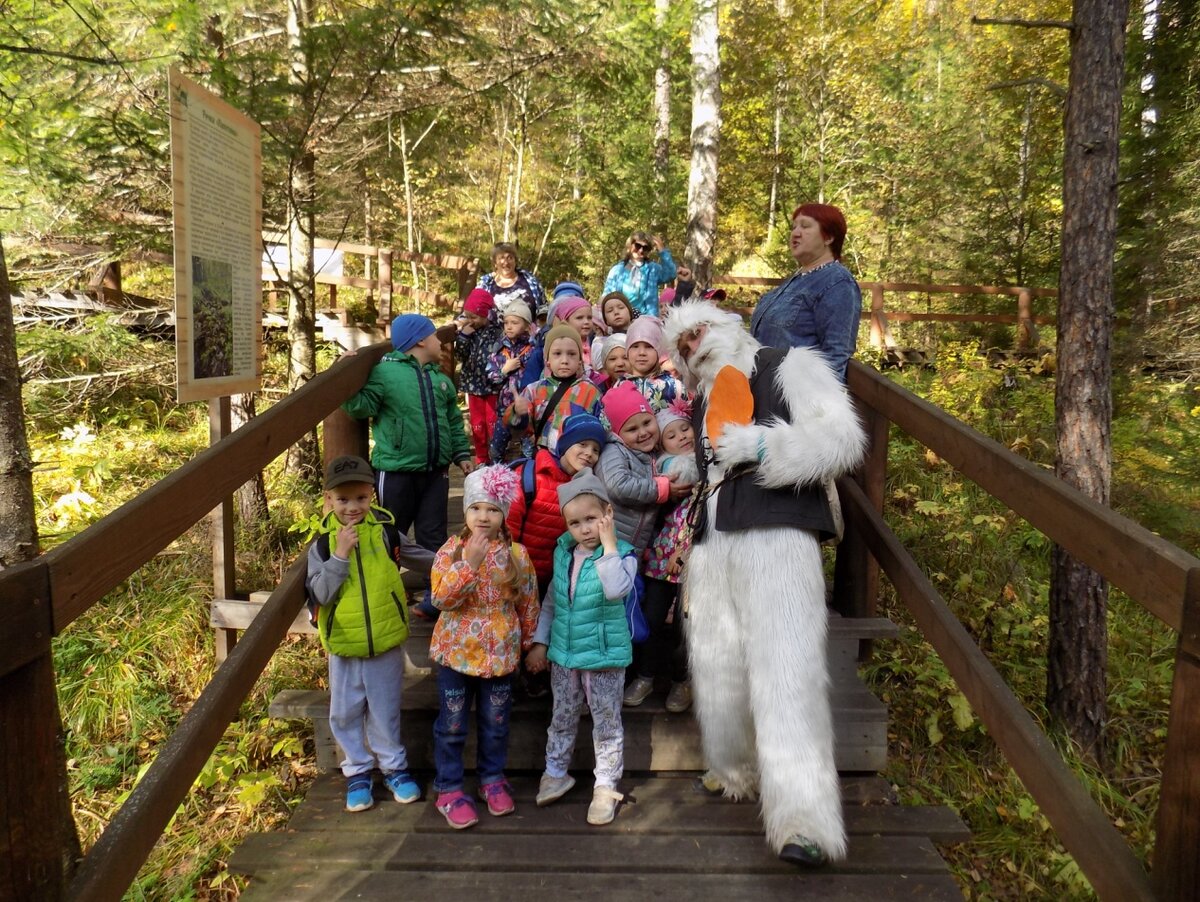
column 1076, row 673
column 303, row 458
column 662, row 120
column 251, row 495
column 706, row 134
column 38, row 842
column 779, row 99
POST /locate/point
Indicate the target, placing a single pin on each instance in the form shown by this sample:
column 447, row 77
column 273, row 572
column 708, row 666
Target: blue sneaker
column 404, row 788
column 358, row 793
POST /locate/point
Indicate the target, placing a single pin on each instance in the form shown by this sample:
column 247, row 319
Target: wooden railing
column 42, row 597
column 1161, row 577
column 383, row 284
column 1023, row 315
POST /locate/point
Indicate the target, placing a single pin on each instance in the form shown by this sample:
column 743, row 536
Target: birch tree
column 706, row 135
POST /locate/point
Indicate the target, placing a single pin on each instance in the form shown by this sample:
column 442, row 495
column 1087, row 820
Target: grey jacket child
column 635, row 491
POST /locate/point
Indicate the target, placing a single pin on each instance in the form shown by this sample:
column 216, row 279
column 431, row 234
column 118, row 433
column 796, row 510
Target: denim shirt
column 819, row 309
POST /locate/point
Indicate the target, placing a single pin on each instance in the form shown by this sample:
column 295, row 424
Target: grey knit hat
column 585, row 482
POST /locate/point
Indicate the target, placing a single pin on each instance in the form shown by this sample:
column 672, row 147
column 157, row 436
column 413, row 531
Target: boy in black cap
column 354, row 576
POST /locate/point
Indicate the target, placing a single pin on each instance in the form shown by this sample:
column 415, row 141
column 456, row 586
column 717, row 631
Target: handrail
column 88, row 566
column 111, row 865
column 1085, row 830
column 1146, row 567
column 1161, row 577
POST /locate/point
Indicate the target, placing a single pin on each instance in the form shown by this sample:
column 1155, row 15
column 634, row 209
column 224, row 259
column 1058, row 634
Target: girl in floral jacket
column 486, row 588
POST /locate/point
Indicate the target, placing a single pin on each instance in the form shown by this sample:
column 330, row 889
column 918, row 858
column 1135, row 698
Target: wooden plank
column 652, row 805
column 113, row 862
column 900, row 316
column 97, row 560
column 1177, row 843
column 234, row 614
column 1146, row 567
column 590, row 851
column 1084, row 829
column 306, row 883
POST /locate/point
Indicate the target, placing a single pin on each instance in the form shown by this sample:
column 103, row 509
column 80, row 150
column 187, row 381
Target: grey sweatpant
column 364, row 711
column 600, row 691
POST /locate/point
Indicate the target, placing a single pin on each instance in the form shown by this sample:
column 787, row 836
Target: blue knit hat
column 409, row 328
column 567, row 289
column 579, row 426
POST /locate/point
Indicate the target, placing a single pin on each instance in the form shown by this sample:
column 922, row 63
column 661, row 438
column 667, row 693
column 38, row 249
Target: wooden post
column 224, row 557
column 385, row 285
column 332, row 297
column 36, row 849
column 344, row 435
column 877, row 329
column 110, row 283
column 1025, row 326
column 1176, row 872
column 465, row 282
column 855, row 571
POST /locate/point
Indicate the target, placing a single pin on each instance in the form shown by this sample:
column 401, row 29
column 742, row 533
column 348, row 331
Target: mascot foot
column 710, row 783
column 802, row 851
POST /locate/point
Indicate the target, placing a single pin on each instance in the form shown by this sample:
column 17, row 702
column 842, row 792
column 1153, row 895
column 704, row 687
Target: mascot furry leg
column 754, row 580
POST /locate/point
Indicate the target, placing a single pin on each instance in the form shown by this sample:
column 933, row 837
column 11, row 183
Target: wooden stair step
column 594, row 851
column 306, row 883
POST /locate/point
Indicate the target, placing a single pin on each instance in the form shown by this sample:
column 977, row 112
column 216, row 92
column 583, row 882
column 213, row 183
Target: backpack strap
column 549, row 411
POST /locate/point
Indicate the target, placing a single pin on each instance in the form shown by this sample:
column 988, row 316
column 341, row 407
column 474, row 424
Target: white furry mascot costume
column 754, row 582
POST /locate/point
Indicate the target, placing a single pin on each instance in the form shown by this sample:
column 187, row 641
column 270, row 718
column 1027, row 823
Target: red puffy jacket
column 539, row 526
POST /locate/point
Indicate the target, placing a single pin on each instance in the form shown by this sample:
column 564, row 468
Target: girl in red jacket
column 536, row 521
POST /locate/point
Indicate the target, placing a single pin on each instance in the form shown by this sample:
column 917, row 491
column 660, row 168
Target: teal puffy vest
column 369, row 615
column 589, row 632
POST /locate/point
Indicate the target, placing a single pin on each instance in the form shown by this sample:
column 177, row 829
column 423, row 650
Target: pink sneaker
column 458, row 810
column 499, row 798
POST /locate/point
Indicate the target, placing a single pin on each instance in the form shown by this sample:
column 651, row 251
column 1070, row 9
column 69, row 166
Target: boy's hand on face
column 347, row 540
column 475, row 548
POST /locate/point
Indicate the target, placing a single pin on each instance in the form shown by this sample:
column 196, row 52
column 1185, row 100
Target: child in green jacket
column 353, row 574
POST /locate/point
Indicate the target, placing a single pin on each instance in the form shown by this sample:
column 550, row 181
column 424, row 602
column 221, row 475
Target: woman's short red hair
column 831, row 221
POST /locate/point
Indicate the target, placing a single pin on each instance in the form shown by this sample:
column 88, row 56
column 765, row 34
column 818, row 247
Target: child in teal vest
column 583, row 632
column 354, row 577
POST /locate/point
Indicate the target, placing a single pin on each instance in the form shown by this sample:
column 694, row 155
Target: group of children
column 537, row 580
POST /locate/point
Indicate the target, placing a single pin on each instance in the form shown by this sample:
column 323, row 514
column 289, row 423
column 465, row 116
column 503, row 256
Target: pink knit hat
column 621, row 402
column 647, row 329
column 567, row 306
column 479, row 302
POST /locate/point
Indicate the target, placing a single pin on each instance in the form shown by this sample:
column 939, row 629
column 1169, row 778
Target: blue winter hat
column 579, row 426
column 409, row 328
column 567, row 289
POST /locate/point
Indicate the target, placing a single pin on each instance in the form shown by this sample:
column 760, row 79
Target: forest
column 937, row 126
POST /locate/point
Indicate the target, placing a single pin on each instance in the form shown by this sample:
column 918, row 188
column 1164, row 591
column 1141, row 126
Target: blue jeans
column 493, row 704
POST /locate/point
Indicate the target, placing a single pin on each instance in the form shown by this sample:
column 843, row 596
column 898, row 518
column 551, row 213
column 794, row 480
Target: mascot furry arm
column 824, row 438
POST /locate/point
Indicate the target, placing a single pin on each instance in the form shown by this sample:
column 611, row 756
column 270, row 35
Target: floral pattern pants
column 600, row 691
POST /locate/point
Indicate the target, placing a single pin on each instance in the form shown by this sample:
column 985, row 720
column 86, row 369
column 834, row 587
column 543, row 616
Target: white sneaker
column 551, row 789
column 604, row 806
column 637, row 691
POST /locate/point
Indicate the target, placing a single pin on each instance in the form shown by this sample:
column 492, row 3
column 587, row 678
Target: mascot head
column 703, row 338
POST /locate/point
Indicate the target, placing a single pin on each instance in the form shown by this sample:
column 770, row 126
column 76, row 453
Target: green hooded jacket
column 415, row 418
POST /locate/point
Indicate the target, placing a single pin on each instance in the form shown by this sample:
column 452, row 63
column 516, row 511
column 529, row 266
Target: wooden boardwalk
column 670, row 839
